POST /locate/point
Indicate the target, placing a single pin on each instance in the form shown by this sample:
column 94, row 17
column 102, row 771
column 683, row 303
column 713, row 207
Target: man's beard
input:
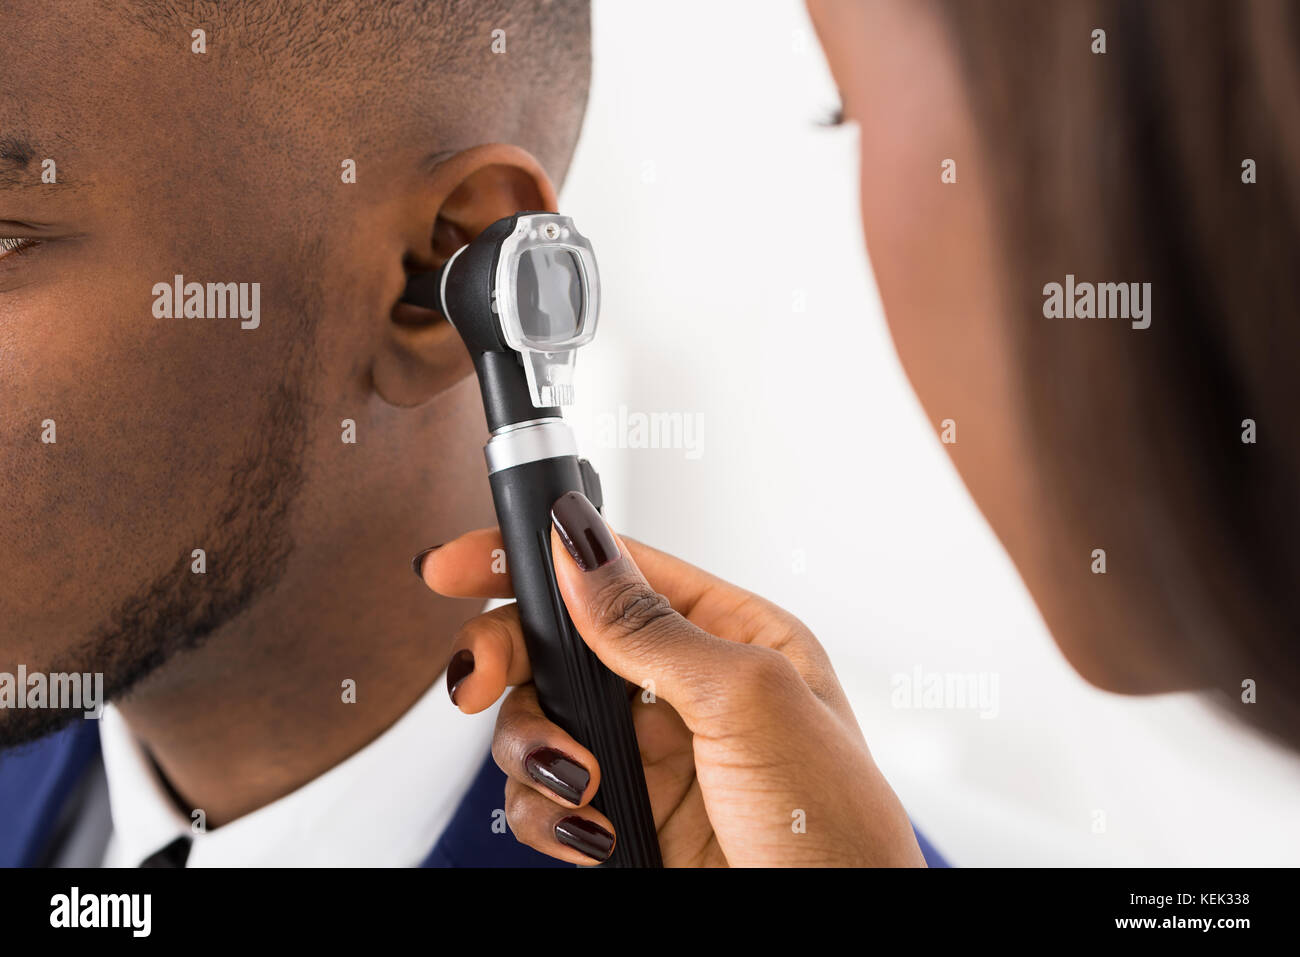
column 179, row 610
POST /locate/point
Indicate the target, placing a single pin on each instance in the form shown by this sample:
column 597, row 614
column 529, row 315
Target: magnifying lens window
column 549, row 293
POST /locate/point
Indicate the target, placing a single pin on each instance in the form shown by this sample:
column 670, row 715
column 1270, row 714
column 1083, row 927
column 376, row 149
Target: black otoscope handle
column 532, row 461
column 575, row 689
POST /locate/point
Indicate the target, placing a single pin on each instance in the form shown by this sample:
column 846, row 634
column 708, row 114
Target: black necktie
column 173, row 855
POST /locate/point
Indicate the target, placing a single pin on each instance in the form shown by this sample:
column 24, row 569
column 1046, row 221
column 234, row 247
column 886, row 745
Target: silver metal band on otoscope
column 442, row 283
column 529, row 442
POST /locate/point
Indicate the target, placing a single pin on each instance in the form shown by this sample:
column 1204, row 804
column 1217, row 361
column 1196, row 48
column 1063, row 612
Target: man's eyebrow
column 16, row 155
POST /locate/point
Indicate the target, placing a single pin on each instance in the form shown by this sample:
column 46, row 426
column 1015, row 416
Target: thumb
column 631, row 627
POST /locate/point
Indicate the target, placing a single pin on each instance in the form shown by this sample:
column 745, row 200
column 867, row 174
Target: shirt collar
column 383, row 806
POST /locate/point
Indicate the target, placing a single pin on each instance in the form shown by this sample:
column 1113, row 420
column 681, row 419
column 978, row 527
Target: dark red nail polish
column 558, row 772
column 585, row 837
column 584, row 533
column 459, row 668
column 417, row 563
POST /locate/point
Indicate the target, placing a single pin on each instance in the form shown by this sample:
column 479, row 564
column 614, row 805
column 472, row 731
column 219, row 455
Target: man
column 222, row 440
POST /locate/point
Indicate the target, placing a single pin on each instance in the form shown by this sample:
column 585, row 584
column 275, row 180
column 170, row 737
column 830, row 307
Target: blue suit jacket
column 37, row 780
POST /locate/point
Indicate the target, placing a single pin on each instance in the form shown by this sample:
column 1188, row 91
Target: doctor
column 1119, row 162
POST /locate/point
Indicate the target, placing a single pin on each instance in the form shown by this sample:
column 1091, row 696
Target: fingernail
column 459, row 668
column 585, row 837
column 584, row 533
column 417, row 563
column 559, row 772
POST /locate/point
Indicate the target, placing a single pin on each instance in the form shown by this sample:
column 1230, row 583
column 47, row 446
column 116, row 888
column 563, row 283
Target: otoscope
column 524, row 296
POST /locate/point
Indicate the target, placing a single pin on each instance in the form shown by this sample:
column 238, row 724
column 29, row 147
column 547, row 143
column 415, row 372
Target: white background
column 719, row 207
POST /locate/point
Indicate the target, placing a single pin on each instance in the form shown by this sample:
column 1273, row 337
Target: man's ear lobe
column 422, row 355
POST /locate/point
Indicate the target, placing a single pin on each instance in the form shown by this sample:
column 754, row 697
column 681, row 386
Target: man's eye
column 16, row 244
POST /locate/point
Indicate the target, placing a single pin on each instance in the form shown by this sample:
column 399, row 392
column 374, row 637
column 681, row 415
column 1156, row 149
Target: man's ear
column 421, row 354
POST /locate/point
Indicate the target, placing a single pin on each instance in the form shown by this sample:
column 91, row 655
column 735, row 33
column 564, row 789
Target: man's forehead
column 60, row 78
column 71, row 67
column 99, row 98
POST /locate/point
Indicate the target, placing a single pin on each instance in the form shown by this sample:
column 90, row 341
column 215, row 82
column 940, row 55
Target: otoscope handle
column 575, row 689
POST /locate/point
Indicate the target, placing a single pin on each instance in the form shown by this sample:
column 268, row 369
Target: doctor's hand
column 752, row 755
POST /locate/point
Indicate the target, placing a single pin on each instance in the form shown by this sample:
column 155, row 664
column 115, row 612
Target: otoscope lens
column 550, row 294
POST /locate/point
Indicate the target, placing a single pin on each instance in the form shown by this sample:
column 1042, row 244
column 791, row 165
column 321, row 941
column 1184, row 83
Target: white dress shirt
column 384, row 806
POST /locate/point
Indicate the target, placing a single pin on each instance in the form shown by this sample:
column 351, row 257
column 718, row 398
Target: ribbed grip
column 575, row 689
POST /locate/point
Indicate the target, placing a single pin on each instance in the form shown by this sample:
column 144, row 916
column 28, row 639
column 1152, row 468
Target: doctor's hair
column 520, row 69
column 1131, row 165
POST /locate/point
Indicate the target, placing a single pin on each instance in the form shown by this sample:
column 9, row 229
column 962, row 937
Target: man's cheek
column 119, row 438
column 36, row 366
